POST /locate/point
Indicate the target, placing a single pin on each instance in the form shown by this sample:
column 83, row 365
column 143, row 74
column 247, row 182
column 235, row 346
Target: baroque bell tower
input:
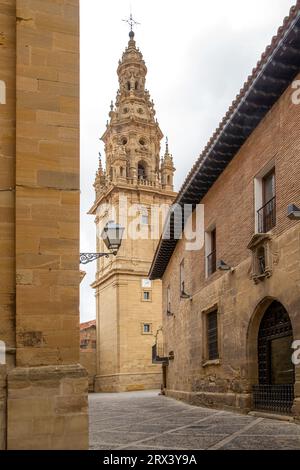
column 128, row 304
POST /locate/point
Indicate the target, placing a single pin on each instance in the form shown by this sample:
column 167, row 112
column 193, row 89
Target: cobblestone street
column 145, row 420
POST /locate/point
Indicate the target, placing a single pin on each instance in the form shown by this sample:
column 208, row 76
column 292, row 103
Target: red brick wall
column 230, row 202
column 230, row 205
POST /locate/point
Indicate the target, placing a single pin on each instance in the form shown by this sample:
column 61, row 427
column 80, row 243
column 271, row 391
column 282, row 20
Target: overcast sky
column 198, row 54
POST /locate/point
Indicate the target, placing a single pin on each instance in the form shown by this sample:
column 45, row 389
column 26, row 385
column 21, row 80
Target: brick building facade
column 229, row 329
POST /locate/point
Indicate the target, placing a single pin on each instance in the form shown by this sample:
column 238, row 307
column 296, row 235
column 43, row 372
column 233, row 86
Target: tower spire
column 167, row 146
column 131, row 22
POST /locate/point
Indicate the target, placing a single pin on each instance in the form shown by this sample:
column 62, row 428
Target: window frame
column 182, row 277
column 146, row 333
column 210, row 250
column 169, row 311
column 206, row 360
column 259, row 196
column 149, row 292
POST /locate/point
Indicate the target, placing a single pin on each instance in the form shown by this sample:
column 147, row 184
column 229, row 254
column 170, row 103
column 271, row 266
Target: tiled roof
column 88, row 324
column 294, row 13
column 276, row 69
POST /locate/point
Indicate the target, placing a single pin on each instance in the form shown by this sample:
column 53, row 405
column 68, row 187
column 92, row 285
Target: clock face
column 146, row 283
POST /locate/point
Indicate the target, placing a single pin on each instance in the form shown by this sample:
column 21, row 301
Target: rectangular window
column 169, row 299
column 144, row 218
column 212, row 335
column 265, row 200
column 211, row 252
column 146, row 296
column 182, row 278
column 146, row 328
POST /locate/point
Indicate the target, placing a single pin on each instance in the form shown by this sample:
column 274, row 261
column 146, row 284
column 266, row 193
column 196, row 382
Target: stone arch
column 252, row 335
column 272, row 376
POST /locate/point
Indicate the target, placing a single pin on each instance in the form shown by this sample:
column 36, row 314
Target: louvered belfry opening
column 275, row 390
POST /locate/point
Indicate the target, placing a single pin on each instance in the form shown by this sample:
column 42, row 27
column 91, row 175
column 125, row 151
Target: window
column 169, row 300
column 265, row 200
column 212, row 336
column 141, row 171
column 211, row 252
column 182, row 278
column 146, row 329
column 84, row 343
column 145, row 219
column 146, row 296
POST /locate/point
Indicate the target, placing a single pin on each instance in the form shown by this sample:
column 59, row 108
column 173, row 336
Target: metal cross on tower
column 131, row 22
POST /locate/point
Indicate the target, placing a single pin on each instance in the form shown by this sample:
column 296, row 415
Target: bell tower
column 128, row 304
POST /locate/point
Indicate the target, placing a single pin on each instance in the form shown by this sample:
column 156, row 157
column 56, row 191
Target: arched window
column 128, row 86
column 141, row 171
column 168, row 179
column 121, row 172
column 136, row 85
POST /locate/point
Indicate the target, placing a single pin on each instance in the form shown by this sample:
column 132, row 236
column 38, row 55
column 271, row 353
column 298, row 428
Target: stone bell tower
column 129, row 305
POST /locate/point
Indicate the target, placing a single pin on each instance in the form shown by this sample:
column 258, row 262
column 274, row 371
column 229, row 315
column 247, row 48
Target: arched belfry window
column 128, row 86
column 142, row 171
column 136, row 85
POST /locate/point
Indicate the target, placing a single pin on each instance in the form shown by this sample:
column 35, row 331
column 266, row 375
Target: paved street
column 145, row 420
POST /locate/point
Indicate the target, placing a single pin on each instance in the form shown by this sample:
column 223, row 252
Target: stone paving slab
column 263, row 443
column 147, row 420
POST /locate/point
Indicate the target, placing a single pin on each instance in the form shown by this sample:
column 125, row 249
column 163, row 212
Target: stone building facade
column 228, row 330
column 88, row 354
column 43, row 389
column 128, row 304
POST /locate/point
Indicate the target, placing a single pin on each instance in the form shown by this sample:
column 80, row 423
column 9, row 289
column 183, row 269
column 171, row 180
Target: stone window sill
column 215, row 362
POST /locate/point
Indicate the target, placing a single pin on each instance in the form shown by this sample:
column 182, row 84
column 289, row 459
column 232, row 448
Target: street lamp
column 112, row 235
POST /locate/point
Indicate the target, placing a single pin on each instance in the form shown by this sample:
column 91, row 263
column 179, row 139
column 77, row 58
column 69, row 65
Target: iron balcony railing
column 276, row 398
column 212, row 263
column 157, row 355
column 267, row 216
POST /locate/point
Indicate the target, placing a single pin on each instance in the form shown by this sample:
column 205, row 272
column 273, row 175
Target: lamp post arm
column 86, row 258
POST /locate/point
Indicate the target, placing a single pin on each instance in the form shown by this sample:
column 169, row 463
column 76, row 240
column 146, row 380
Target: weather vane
column 131, row 22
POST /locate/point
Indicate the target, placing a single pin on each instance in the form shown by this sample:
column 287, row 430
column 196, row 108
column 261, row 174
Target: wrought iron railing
column 211, row 263
column 157, row 355
column 267, row 216
column 276, row 398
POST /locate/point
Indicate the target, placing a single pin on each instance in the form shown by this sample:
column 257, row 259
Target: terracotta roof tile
column 88, row 324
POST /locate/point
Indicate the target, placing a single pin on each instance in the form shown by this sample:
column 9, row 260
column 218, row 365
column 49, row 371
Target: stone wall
column 41, row 402
column 7, row 196
column 125, row 353
column 240, row 302
column 39, row 225
column 88, row 359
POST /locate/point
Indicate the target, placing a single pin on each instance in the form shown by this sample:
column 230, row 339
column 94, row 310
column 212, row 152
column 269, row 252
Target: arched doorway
column 276, row 372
